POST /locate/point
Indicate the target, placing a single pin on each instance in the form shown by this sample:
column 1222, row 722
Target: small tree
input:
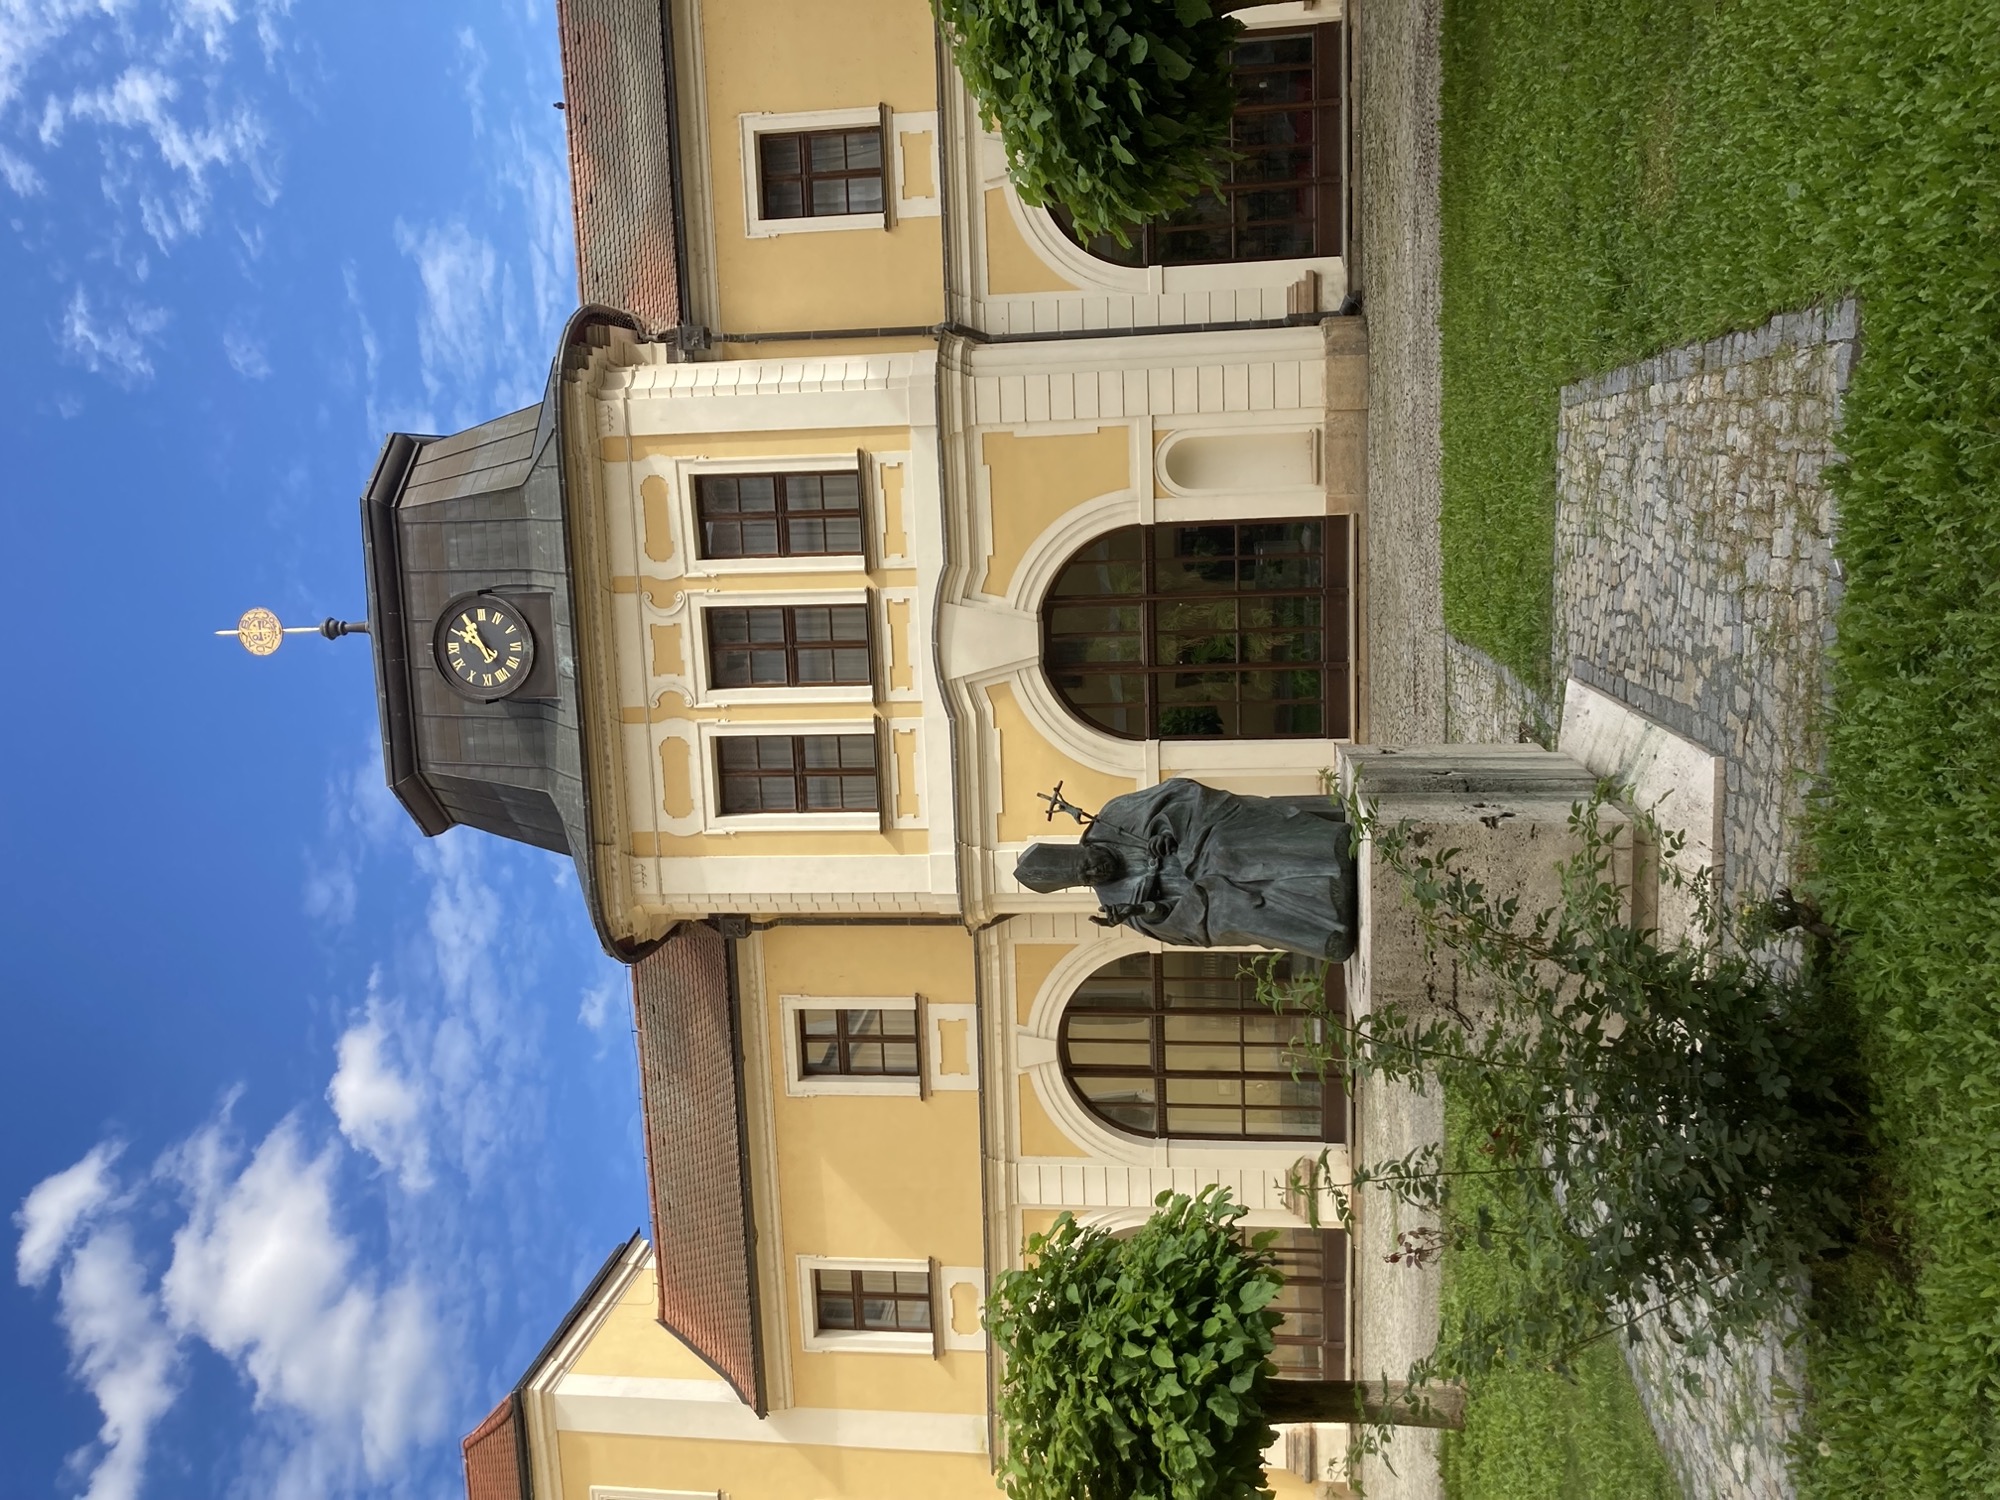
column 1117, row 110
column 1138, row 1369
column 1674, row 1125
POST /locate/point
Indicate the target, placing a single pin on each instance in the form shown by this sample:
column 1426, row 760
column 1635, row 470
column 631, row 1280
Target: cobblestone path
column 1695, row 580
column 1694, row 567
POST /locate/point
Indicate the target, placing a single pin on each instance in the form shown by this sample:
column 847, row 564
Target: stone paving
column 1695, row 581
column 1398, row 126
column 1695, row 576
column 1397, row 119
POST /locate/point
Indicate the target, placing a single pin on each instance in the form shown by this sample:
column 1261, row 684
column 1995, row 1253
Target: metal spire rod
column 261, row 634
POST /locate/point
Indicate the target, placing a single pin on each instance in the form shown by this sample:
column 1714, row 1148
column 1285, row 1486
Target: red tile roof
column 684, row 1006
column 495, row 1456
column 620, row 156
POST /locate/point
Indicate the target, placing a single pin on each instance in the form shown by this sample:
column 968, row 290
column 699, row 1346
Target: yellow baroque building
column 865, row 511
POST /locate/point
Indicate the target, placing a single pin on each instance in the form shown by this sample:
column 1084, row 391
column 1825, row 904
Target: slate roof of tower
column 684, row 1007
column 616, row 89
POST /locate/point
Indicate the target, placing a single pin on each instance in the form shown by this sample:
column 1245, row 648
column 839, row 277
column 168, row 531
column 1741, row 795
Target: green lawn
column 1624, row 175
column 1534, row 1436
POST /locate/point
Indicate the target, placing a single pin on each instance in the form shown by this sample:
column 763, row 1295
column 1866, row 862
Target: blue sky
column 311, row 1127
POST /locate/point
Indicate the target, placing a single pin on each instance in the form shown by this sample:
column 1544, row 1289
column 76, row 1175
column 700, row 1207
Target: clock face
column 484, row 647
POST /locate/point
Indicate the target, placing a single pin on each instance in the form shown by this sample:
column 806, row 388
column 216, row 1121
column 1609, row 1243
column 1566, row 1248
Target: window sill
column 872, row 1343
column 765, row 229
column 827, row 1086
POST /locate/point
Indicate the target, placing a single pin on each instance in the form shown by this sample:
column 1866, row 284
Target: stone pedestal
column 1505, row 809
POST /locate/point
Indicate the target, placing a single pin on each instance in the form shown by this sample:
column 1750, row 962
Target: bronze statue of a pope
column 1202, row 868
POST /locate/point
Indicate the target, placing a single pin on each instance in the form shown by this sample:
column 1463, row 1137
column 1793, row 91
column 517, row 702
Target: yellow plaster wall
column 919, row 181
column 769, row 1471
column 630, row 1341
column 657, row 519
column 1035, row 481
column 1013, row 264
column 890, row 1177
column 778, row 56
column 667, row 660
column 1030, row 764
column 1040, row 1135
column 895, row 533
column 1033, row 963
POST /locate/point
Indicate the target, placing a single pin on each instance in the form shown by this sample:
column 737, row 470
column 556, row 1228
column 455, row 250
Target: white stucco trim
column 751, row 126
column 681, row 474
column 716, row 821
column 869, row 1340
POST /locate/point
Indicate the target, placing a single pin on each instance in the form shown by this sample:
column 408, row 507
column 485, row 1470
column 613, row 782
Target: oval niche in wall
column 1279, row 458
column 1241, row 463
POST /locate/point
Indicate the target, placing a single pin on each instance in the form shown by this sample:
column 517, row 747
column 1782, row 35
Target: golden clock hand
column 470, row 635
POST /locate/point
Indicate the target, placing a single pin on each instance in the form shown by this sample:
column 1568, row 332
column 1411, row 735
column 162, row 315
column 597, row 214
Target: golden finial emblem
column 261, row 634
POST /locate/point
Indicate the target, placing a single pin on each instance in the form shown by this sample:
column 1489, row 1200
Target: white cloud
column 141, row 99
column 597, row 1009
column 117, row 345
column 122, row 1352
column 346, row 1365
column 30, row 29
column 461, row 312
column 379, row 1105
column 25, row 181
column 245, row 355
column 332, row 892
column 57, row 1207
column 263, row 1274
column 210, row 20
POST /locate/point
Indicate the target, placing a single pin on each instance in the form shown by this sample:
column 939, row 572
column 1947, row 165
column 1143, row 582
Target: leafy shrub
column 1115, row 109
column 1674, row 1126
column 1132, row 1364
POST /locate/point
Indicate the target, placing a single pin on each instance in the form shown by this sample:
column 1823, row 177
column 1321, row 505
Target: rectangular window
column 779, row 515
column 858, row 1043
column 796, row 773
column 815, row 174
column 817, row 645
column 859, row 1301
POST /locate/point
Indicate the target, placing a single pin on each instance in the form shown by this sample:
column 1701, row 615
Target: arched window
column 1177, row 1044
column 1281, row 197
column 1227, row 629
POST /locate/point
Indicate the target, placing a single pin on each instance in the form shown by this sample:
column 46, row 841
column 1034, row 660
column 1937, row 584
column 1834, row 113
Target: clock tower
column 478, row 555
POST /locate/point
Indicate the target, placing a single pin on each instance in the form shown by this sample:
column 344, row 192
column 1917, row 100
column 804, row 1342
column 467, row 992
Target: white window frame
column 801, row 1085
column 865, row 1340
column 688, row 516
column 755, row 225
column 707, row 693
column 716, row 821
